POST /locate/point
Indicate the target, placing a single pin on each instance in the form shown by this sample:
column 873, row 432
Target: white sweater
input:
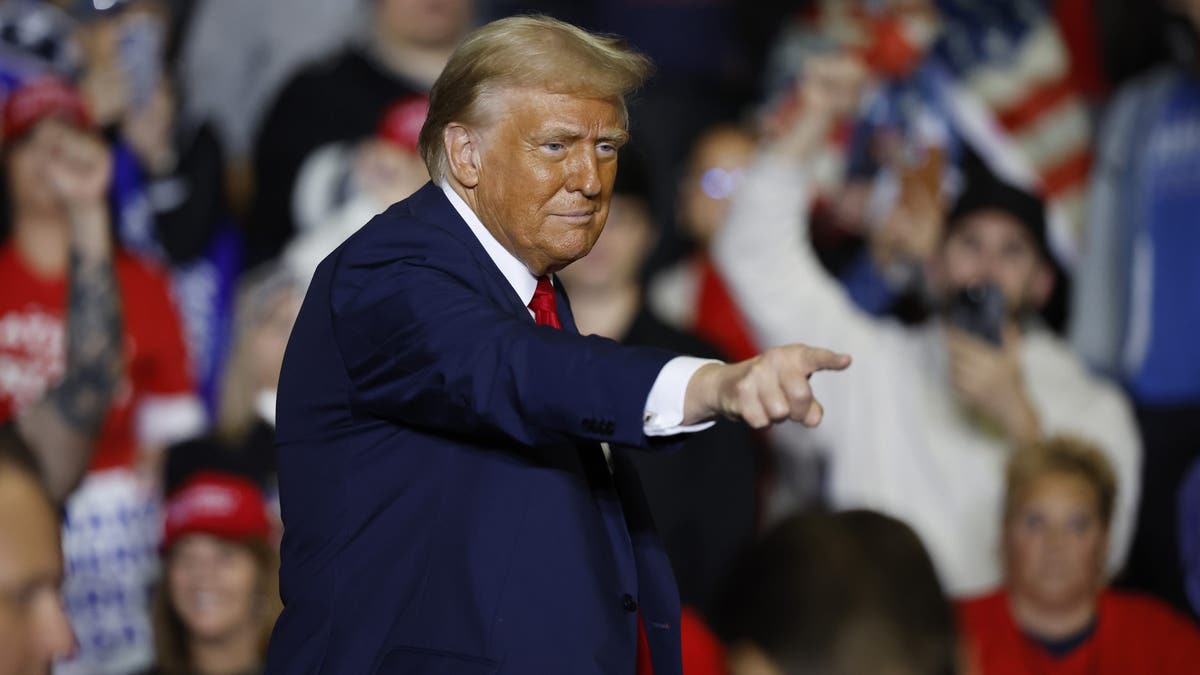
column 895, row 437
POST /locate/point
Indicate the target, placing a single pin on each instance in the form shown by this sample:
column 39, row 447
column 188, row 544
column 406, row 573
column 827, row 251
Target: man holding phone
column 925, row 422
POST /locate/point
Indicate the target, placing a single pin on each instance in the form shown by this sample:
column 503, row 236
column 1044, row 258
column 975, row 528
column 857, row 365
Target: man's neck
column 608, row 312
column 42, row 241
column 420, row 63
column 235, row 654
column 1052, row 622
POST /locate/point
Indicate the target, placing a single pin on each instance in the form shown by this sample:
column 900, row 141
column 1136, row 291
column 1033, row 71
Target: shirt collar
column 518, row 276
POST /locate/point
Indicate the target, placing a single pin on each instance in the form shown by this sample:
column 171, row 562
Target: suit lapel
column 563, row 305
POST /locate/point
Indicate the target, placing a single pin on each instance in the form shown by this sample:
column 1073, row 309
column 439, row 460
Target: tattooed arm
column 61, row 428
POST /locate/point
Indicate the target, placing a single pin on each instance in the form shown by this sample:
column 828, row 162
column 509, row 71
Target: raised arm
column 61, row 427
column 763, row 250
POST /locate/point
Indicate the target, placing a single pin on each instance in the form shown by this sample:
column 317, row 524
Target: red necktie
column 644, row 666
column 543, row 304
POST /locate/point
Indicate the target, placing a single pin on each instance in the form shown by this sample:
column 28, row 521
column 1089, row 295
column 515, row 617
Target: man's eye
column 607, row 148
column 554, row 147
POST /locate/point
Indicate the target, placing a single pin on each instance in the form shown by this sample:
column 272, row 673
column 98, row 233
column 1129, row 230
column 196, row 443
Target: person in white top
column 922, row 426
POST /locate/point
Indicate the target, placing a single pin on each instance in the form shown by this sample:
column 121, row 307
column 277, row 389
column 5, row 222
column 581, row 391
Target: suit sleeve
column 424, row 347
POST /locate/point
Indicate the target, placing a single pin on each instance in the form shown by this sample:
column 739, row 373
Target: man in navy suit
column 455, row 487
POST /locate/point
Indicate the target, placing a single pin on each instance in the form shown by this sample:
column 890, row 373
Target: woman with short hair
column 1055, row 614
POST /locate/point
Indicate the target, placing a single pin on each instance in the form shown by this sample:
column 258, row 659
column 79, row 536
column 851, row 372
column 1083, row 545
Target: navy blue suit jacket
column 447, row 506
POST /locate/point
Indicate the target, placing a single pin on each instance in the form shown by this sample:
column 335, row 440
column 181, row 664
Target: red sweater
column 1134, row 635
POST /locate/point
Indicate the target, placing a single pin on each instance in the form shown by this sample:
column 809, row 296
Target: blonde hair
column 1063, row 455
column 170, row 635
column 526, row 51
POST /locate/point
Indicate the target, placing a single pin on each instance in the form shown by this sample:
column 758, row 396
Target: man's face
column 33, row 627
column 992, row 246
column 546, row 167
column 1055, row 543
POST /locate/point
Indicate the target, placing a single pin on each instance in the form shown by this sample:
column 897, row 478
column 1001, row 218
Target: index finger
column 817, row 358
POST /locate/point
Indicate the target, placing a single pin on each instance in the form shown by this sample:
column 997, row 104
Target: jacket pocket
column 422, row 661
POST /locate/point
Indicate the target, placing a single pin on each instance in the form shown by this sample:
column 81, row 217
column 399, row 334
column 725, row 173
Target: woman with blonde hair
column 1055, row 614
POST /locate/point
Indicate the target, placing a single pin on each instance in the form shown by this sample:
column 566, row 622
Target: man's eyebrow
column 615, row 136
column 560, row 133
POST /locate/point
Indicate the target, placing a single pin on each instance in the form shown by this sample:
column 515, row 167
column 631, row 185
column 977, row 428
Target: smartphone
column 139, row 49
column 979, row 310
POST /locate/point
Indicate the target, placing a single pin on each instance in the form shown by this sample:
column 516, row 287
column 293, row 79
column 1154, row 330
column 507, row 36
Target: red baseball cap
column 41, row 98
column 401, row 122
column 213, row 502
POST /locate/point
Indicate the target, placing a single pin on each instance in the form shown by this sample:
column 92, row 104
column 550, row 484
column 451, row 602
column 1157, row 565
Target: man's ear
column 462, row 154
column 1042, row 285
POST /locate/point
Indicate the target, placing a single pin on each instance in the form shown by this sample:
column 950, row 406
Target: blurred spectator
column 61, row 426
column 219, row 595
column 853, row 593
column 702, row 498
column 243, row 440
column 1054, row 614
column 36, row 38
column 995, row 77
column 33, row 627
column 945, row 404
column 690, row 295
column 236, row 55
column 56, row 171
column 168, row 183
column 342, row 98
column 1138, row 298
column 342, row 186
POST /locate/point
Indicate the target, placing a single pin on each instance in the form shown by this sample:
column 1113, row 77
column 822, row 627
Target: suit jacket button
column 629, row 603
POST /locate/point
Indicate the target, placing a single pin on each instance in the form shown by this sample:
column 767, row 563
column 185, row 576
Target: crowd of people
column 988, row 214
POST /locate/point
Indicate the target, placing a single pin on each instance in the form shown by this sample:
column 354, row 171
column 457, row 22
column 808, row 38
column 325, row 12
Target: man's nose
column 585, row 173
column 55, row 638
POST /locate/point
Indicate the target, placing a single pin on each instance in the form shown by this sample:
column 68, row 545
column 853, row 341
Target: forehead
column 532, row 110
column 1062, row 488
column 993, row 222
column 994, row 225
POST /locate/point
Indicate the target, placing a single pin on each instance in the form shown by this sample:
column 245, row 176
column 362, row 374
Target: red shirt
column 718, row 318
column 156, row 387
column 1133, row 634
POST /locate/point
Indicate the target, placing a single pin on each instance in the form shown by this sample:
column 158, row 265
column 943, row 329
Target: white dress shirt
column 664, row 405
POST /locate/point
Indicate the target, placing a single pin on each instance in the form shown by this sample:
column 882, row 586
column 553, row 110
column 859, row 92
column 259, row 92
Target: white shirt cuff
column 664, row 405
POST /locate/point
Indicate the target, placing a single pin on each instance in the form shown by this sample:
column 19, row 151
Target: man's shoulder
column 418, row 228
column 1049, row 358
column 420, row 232
column 1060, row 380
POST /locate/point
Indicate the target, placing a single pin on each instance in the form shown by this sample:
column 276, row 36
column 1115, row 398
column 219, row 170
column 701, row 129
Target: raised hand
column 78, row 167
column 989, row 381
